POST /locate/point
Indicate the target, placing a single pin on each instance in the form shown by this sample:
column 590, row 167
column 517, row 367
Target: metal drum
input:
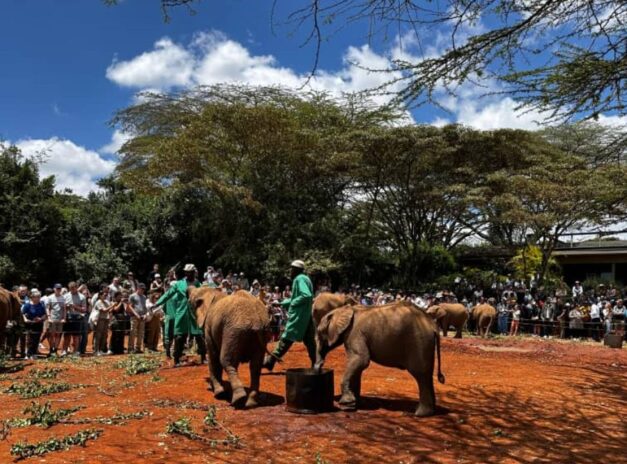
column 309, row 391
column 613, row 340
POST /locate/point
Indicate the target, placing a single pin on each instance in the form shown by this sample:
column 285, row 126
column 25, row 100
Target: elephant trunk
column 321, row 354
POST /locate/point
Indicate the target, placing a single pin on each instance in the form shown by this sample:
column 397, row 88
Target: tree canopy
column 248, row 179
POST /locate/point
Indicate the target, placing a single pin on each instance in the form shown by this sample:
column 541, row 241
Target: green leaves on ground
column 138, row 364
column 183, row 426
column 35, row 389
column 23, row 450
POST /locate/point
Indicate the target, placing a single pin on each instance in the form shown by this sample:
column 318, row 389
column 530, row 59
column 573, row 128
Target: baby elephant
column 396, row 335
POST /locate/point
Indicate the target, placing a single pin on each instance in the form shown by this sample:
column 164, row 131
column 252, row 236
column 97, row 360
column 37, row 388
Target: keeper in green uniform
column 300, row 325
column 179, row 313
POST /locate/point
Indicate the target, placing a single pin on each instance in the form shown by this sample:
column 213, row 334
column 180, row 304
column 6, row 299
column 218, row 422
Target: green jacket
column 177, row 307
column 298, row 309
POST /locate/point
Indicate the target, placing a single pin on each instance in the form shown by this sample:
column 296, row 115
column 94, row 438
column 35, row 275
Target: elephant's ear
column 202, row 305
column 339, row 320
column 440, row 313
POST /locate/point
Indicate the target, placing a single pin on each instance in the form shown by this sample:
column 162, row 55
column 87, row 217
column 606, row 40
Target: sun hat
column 298, row 264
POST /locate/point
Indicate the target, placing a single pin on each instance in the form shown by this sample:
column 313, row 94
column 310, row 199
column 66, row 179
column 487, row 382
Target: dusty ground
column 504, row 401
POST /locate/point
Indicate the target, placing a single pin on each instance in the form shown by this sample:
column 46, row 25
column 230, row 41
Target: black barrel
column 309, row 391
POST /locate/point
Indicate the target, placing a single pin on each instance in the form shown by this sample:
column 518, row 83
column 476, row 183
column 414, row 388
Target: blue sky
column 67, row 66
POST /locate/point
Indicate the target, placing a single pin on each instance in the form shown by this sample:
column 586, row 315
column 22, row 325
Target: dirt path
column 504, row 401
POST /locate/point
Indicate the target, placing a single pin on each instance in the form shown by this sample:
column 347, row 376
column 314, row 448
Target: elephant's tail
column 441, row 378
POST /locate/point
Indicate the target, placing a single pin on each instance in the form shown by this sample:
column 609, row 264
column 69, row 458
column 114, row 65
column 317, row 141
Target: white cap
column 189, row 268
column 157, row 276
column 298, row 264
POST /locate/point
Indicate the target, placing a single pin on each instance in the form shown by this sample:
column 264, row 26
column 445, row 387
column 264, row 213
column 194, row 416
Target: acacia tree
column 579, row 49
column 544, row 192
column 269, row 167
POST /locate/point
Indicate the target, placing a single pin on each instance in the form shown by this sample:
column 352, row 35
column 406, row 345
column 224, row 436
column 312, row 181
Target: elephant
column 235, row 328
column 10, row 310
column 484, row 314
column 327, row 302
column 449, row 314
column 395, row 335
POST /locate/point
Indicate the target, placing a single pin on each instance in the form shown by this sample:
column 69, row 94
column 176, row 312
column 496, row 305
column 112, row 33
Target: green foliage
column 29, row 218
column 183, row 426
column 34, row 388
column 116, row 419
column 248, row 179
column 528, row 262
column 23, row 450
column 45, row 373
column 137, row 364
column 45, row 416
column 211, row 418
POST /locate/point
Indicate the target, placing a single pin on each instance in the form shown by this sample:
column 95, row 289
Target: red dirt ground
column 505, row 400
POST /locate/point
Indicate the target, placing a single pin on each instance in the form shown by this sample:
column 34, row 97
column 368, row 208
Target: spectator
column 156, row 284
column 563, row 319
column 34, row 313
column 575, row 322
column 114, row 288
column 154, row 318
column 120, row 324
column 547, row 315
column 513, row 331
column 101, row 328
column 153, row 274
column 138, row 319
column 256, row 289
column 503, row 316
column 56, row 313
column 76, row 321
column 535, row 319
column 577, row 289
column 130, row 283
column 595, row 321
column 46, row 332
column 287, row 293
column 607, row 317
column 619, row 314
column 208, row 275
column 243, row 281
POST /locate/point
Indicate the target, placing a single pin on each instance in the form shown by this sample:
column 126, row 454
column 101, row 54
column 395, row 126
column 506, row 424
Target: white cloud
column 167, row 65
column 213, row 58
column 118, row 138
column 73, row 166
column 498, row 114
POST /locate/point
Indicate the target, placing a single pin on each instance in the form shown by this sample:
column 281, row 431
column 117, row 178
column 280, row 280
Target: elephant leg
column 229, row 360
column 458, row 334
column 488, row 329
column 255, row 373
column 215, row 369
column 444, row 327
column 351, row 381
column 426, row 405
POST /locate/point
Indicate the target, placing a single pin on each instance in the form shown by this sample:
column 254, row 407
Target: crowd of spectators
column 526, row 308
column 123, row 317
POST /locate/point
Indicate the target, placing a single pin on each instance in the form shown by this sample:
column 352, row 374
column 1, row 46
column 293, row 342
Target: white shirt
column 577, row 290
column 595, row 311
